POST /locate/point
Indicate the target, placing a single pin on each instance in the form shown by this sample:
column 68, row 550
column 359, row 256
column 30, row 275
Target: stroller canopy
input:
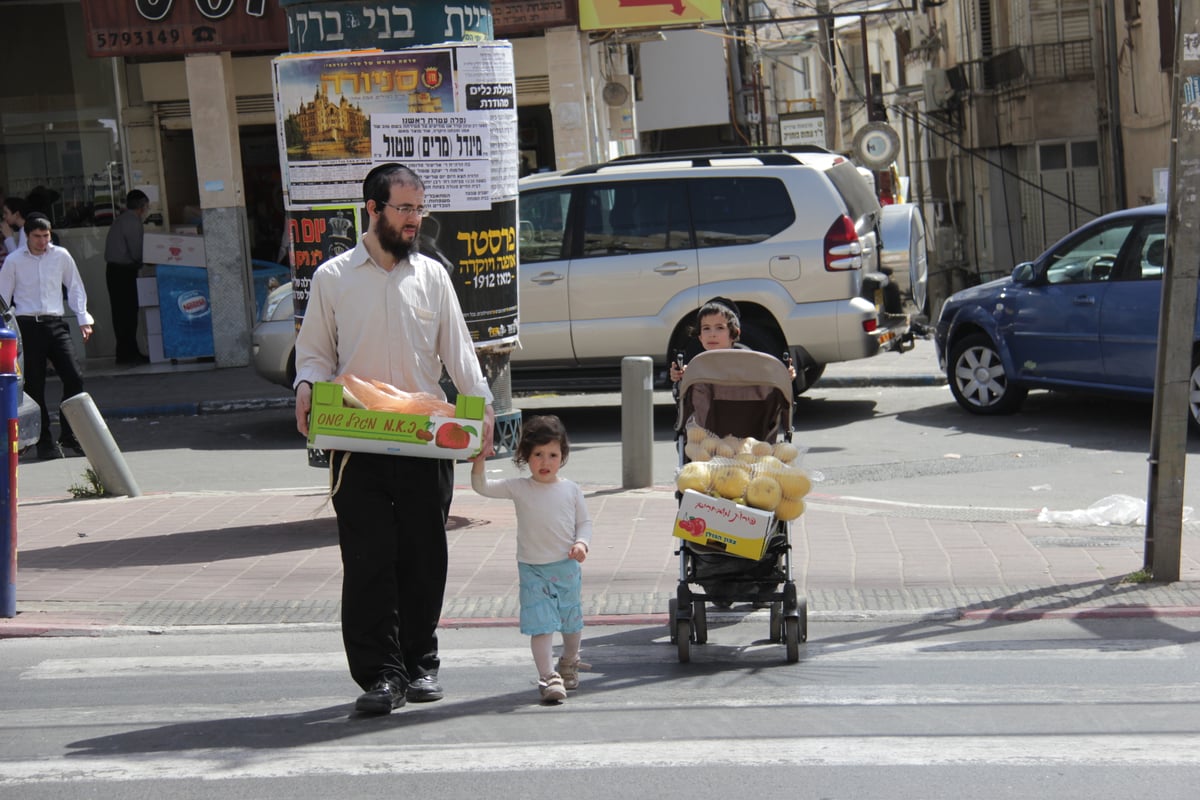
column 736, row 393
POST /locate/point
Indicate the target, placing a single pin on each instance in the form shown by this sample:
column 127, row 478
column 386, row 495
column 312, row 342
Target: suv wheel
column 806, row 376
column 978, row 379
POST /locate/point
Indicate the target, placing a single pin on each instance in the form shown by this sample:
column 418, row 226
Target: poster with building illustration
column 325, row 104
column 449, row 113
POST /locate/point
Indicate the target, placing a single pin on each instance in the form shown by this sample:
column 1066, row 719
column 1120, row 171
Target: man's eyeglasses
column 406, row 210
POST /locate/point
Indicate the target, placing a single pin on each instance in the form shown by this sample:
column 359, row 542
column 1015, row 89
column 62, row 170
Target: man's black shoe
column 424, row 689
column 48, row 451
column 382, row 697
column 132, row 360
column 71, row 444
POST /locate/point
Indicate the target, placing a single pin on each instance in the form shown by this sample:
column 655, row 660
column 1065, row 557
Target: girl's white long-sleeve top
column 550, row 516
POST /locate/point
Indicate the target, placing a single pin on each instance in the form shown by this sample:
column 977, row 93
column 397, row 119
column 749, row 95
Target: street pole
column 1177, row 324
column 833, row 135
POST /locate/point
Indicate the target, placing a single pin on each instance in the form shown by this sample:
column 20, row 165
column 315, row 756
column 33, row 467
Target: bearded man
column 384, row 311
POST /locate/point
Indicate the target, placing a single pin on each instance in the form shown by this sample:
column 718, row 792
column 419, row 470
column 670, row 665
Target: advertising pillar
column 437, row 95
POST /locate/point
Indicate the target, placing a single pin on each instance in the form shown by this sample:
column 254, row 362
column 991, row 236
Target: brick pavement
column 271, row 557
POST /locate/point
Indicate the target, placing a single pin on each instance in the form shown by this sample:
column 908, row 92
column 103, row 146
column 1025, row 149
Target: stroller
column 737, row 393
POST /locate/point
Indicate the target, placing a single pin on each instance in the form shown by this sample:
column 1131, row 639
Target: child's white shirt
column 550, row 516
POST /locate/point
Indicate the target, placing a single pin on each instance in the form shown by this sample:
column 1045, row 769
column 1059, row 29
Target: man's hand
column 85, row 331
column 303, row 407
column 489, row 433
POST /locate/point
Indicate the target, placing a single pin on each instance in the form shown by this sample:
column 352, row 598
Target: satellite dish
column 615, row 94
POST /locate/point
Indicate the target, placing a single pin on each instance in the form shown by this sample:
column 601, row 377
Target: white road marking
column 118, row 667
column 360, row 759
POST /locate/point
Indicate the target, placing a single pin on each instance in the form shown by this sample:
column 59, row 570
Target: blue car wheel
column 978, row 379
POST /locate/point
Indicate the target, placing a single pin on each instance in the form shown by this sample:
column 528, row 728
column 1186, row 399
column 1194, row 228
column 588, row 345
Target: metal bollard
column 98, row 445
column 10, row 404
column 637, row 422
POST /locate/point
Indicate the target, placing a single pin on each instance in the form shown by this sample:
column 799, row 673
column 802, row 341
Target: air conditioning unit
column 938, row 91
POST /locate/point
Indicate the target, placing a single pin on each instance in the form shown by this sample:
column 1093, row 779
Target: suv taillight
column 843, row 250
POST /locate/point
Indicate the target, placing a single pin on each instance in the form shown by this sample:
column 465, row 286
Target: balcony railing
column 1037, row 63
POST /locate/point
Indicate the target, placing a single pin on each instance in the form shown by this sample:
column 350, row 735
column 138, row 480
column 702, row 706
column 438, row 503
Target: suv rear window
column 854, row 190
column 635, row 217
column 739, row 210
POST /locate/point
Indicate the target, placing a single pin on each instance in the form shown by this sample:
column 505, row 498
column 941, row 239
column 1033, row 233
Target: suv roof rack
column 769, row 155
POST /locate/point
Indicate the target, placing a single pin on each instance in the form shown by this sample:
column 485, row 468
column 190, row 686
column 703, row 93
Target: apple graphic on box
column 695, row 526
column 452, row 436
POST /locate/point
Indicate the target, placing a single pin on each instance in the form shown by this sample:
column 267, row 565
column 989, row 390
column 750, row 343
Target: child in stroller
column 739, row 393
column 718, row 327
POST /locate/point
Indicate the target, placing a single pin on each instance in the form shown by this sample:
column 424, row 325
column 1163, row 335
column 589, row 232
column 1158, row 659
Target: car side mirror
column 1024, row 272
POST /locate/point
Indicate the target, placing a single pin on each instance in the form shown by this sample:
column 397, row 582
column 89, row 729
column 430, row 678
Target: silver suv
column 616, row 258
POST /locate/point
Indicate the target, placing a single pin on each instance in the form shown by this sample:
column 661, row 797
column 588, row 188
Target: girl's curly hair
column 537, row 431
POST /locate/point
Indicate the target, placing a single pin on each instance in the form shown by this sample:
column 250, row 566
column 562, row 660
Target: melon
column 696, row 434
column 694, row 476
column 762, row 448
column 786, row 452
column 748, row 460
column 789, row 509
column 730, row 481
column 696, row 452
column 763, row 492
column 794, row 483
column 770, row 463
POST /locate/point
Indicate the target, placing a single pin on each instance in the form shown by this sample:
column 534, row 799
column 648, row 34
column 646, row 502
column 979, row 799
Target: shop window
column 60, row 148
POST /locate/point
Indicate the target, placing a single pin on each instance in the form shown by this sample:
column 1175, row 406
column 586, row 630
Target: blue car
column 1082, row 316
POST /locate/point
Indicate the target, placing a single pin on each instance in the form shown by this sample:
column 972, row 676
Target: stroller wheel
column 672, row 611
column 775, row 632
column 791, row 636
column 683, row 640
column 700, row 621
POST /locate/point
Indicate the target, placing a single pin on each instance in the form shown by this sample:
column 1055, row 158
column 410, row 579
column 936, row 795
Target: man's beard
column 392, row 241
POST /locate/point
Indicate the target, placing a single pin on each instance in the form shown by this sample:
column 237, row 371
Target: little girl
column 553, row 534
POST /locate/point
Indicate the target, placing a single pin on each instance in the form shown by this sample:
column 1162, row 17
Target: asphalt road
column 1061, row 709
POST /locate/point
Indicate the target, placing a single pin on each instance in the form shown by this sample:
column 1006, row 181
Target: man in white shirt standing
column 383, row 311
column 32, row 282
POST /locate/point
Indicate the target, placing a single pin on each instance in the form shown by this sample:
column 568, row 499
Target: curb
column 192, row 409
column 99, row 628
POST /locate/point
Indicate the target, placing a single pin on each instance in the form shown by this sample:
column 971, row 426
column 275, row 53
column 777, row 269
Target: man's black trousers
column 49, row 338
column 391, row 513
column 123, row 301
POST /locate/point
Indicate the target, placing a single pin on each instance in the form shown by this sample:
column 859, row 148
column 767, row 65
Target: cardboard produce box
column 333, row 426
column 724, row 525
column 170, row 248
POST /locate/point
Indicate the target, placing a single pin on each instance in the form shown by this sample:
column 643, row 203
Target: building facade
column 1015, row 121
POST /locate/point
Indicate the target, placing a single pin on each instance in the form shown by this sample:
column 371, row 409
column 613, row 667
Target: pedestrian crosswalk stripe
column 115, row 667
column 360, row 759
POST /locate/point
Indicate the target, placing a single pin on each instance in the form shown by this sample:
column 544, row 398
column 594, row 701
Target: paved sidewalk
column 269, row 557
column 93, row 566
